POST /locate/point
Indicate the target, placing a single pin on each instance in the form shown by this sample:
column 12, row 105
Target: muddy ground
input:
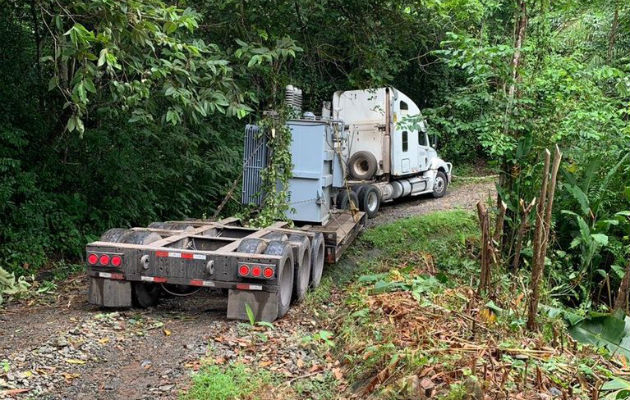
column 67, row 349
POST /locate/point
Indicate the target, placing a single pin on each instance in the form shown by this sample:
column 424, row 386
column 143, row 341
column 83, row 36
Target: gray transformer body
column 317, row 173
column 317, row 170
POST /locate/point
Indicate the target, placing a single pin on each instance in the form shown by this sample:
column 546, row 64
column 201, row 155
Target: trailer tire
column 140, row 237
column 252, row 246
column 347, row 198
column 281, row 236
column 302, row 267
column 362, row 165
column 145, row 295
column 440, row 184
column 370, row 200
column 318, row 253
column 284, row 273
column 114, row 235
column 171, row 226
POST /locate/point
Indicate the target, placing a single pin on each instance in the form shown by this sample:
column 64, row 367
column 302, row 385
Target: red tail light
column 243, row 270
column 92, row 259
column 116, row 261
column 256, row 271
column 104, row 260
column 268, row 272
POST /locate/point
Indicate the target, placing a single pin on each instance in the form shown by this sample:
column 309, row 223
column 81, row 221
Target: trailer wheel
column 114, row 235
column 440, row 184
column 347, row 199
column 252, row 246
column 302, row 266
column 140, row 237
column 317, row 259
column 370, row 200
column 144, row 294
column 281, row 236
column 171, row 226
column 362, row 165
column 284, row 273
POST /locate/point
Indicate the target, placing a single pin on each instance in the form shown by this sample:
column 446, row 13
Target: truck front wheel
column 440, row 184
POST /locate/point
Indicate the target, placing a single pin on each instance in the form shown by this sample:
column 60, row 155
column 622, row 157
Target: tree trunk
column 484, row 276
column 624, row 288
column 521, row 232
column 613, row 33
column 38, row 54
column 518, row 45
column 538, row 229
column 541, row 234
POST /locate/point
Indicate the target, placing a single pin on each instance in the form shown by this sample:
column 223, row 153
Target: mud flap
column 264, row 305
column 109, row 293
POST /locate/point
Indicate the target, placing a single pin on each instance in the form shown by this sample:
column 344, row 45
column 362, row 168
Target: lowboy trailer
column 265, row 269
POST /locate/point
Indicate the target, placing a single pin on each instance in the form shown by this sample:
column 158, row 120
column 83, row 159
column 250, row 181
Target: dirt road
column 68, row 349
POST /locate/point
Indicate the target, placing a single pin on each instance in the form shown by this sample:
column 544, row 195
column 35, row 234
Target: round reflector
column 116, row 261
column 268, row 272
column 104, row 260
column 256, row 270
column 92, row 259
column 243, row 270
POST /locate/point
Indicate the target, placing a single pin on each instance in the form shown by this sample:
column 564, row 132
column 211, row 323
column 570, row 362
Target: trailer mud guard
column 264, row 305
column 109, row 293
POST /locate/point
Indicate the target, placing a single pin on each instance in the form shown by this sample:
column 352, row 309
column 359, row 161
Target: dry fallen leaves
column 75, row 361
column 69, row 377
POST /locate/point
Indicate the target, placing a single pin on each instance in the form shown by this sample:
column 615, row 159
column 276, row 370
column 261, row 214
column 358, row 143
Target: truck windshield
column 422, row 139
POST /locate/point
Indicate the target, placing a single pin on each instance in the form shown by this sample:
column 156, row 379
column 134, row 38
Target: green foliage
column 275, row 177
column 139, row 57
column 616, row 389
column 235, row 381
column 250, row 315
column 10, row 286
column 444, row 234
column 604, row 330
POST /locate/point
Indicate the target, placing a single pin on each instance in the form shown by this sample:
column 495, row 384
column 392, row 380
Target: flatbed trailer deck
column 264, row 269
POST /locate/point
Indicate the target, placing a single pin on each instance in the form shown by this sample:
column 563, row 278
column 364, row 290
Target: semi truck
column 346, row 161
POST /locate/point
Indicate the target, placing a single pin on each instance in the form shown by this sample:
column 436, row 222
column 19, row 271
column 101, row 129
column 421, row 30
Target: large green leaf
column 604, row 330
column 581, row 198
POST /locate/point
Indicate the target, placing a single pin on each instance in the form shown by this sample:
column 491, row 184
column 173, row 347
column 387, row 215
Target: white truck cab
column 387, row 145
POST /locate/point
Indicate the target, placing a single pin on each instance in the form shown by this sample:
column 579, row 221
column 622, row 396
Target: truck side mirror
column 435, row 142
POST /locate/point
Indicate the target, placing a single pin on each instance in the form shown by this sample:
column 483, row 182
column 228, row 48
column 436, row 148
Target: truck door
column 403, row 150
column 423, row 151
